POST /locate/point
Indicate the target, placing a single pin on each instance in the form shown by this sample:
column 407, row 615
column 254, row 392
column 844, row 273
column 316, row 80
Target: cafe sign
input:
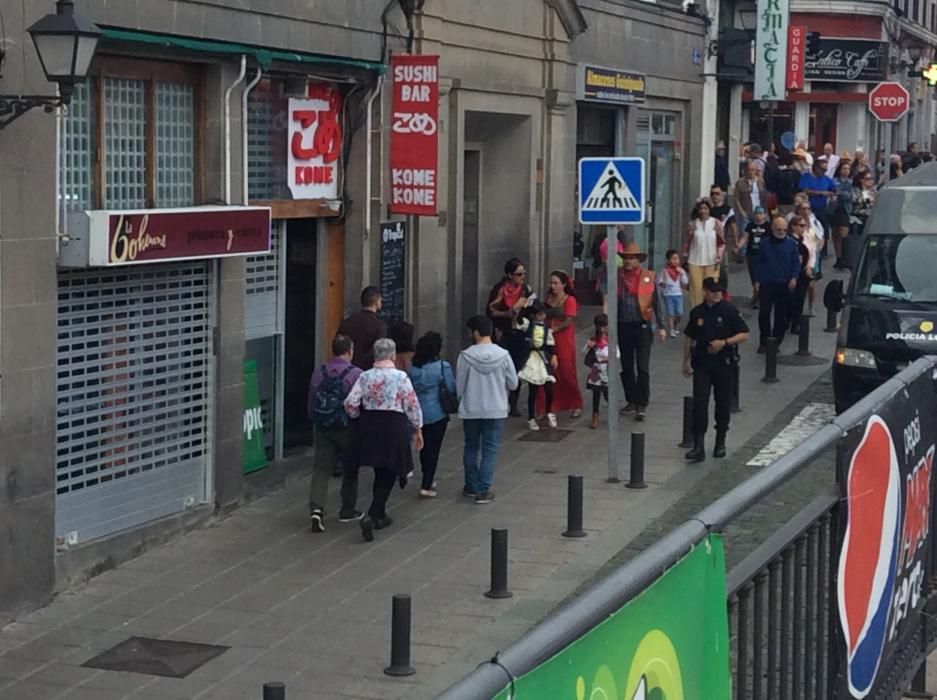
column 771, row 50
column 136, row 237
column 597, row 84
column 847, row 60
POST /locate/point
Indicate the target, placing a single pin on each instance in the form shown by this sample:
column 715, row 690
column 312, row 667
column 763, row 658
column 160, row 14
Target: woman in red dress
column 562, row 309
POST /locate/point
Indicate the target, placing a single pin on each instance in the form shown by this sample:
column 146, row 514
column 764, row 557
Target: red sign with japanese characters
column 159, row 235
column 796, row 54
column 414, row 141
column 315, row 143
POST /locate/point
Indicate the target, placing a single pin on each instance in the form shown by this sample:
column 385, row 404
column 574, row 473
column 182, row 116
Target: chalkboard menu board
column 393, row 262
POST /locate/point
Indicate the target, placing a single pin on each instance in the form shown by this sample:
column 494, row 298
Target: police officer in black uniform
column 713, row 334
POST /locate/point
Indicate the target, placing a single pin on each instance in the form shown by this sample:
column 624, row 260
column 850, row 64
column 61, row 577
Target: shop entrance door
column 822, row 126
column 656, row 136
column 300, row 328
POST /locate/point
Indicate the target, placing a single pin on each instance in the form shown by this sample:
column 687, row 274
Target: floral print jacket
column 385, row 388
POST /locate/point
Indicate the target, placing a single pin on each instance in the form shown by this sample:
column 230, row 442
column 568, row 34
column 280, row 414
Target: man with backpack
column 328, row 387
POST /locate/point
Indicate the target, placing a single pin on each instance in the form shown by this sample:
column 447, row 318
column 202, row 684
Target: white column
column 735, row 125
column 710, row 102
column 802, row 121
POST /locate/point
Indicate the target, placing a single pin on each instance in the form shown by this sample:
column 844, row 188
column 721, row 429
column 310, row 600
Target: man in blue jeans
column 484, row 375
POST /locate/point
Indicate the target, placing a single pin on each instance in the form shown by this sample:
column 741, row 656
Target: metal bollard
column 687, row 423
column 831, row 326
column 499, row 564
column 573, row 508
column 771, row 361
column 637, row 462
column 803, row 336
column 400, row 637
column 735, row 405
column 274, row 691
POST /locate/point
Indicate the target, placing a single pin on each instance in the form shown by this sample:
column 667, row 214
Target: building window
column 129, row 139
column 267, row 114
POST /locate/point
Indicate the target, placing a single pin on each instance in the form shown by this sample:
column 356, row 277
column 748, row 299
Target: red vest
column 647, row 288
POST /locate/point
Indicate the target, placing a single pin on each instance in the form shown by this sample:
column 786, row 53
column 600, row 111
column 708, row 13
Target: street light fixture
column 66, row 43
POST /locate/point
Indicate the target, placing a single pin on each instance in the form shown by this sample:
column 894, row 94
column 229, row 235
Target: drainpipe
column 247, row 91
column 227, row 129
column 369, row 158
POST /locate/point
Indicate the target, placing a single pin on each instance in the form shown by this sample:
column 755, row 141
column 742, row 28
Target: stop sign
column 888, row 102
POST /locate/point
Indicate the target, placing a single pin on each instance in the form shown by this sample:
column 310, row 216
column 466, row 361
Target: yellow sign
column 927, row 326
column 931, row 74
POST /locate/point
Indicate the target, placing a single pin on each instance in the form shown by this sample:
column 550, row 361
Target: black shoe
column 628, row 408
column 315, row 522
column 483, row 498
column 468, row 493
column 338, row 472
column 381, row 523
column 640, row 413
column 761, row 349
column 514, row 413
column 719, row 450
column 367, row 528
column 754, row 303
column 698, row 453
column 350, row 517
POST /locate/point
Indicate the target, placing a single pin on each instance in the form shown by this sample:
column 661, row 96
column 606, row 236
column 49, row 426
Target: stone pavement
column 314, row 610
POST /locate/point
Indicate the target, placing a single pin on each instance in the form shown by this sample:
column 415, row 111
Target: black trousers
column 716, row 374
column 597, row 393
column 634, row 342
column 776, row 297
column 433, row 435
column 797, row 302
column 532, row 390
column 384, row 481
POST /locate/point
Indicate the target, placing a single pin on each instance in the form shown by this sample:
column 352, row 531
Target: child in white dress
column 538, row 369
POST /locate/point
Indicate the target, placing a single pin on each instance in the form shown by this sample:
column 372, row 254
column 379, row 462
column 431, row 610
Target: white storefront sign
column 314, row 145
column 771, row 49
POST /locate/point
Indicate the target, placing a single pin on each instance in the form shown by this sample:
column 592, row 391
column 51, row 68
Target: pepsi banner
column 886, row 476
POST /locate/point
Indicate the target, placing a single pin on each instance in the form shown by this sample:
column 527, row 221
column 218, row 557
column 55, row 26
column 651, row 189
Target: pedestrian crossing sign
column 611, row 191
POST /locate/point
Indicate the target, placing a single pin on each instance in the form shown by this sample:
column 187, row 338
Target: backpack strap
column 345, row 373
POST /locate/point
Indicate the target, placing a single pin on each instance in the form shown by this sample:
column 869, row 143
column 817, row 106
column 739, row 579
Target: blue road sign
column 611, row 191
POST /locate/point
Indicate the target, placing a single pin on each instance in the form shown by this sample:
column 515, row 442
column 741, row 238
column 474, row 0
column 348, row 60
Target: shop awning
column 265, row 57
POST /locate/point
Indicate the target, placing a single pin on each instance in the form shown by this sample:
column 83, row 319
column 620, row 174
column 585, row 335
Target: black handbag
column 447, row 399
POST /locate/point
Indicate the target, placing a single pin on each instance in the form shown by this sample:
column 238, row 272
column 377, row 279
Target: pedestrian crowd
column 385, row 395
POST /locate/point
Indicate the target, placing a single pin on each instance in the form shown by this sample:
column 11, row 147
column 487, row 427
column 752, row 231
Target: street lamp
column 66, row 43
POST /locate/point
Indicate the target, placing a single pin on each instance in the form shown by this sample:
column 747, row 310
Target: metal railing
column 774, row 656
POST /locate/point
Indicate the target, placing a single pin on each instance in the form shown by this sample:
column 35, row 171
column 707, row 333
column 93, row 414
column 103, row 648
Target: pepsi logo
column 868, row 559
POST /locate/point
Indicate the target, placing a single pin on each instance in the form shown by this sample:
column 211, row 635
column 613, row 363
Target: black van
column 890, row 311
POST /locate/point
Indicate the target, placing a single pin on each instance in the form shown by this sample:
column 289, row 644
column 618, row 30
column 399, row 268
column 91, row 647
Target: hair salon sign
column 771, row 49
column 848, row 60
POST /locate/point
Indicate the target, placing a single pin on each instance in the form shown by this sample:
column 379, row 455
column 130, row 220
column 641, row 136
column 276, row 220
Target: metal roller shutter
column 134, row 390
column 262, row 275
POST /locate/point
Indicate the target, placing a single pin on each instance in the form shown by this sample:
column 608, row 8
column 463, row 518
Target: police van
column 890, row 308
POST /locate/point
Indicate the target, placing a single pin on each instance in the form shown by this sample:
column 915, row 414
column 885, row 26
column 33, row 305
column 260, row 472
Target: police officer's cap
column 710, row 284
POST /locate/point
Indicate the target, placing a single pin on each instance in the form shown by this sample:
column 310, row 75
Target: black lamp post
column 66, row 43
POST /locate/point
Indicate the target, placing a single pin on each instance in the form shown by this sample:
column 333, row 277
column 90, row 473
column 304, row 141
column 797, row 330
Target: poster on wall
column 314, row 146
column 886, row 475
column 393, row 270
column 771, row 49
column 414, row 138
column 672, row 641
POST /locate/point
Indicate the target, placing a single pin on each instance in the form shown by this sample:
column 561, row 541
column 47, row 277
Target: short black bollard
column 637, row 462
column 499, row 564
column 400, row 638
column 573, row 508
column 771, row 361
column 735, row 406
column 831, row 325
column 274, row 691
column 803, row 336
column 687, row 423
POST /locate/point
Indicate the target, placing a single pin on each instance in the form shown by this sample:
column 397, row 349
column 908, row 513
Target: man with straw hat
column 639, row 314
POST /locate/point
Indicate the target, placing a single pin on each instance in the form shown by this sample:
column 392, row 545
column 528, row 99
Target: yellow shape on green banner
column 655, row 670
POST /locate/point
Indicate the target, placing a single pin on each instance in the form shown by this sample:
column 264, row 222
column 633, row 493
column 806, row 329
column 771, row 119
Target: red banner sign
column 796, row 54
column 414, row 142
column 315, row 143
column 134, row 237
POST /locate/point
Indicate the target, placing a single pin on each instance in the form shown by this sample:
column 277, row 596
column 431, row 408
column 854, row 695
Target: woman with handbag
column 434, row 383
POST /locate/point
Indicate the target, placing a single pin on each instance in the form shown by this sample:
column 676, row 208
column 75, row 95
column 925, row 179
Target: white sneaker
column 812, row 313
column 673, row 332
column 532, row 424
column 551, row 420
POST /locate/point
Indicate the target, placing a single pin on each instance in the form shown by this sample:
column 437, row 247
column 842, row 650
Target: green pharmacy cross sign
column 930, row 75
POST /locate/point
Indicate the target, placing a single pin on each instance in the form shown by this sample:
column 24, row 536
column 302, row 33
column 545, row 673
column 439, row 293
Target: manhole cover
column 545, row 435
column 156, row 657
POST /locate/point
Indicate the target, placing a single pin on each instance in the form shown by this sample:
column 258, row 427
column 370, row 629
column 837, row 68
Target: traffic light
column 813, row 43
column 930, row 74
column 735, row 49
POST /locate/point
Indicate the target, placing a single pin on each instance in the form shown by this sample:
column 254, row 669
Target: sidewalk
column 313, row 611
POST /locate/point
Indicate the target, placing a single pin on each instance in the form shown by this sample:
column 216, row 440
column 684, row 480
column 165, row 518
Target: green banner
column 255, row 455
column 669, row 643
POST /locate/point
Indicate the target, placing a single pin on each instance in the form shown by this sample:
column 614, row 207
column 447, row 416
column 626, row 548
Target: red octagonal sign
column 889, row 101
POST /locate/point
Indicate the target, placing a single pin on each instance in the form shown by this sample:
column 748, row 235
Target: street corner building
column 180, row 241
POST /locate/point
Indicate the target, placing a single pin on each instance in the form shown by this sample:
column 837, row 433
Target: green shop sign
column 255, row 455
column 669, row 643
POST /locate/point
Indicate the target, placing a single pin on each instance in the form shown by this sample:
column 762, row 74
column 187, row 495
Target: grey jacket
column 484, row 375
